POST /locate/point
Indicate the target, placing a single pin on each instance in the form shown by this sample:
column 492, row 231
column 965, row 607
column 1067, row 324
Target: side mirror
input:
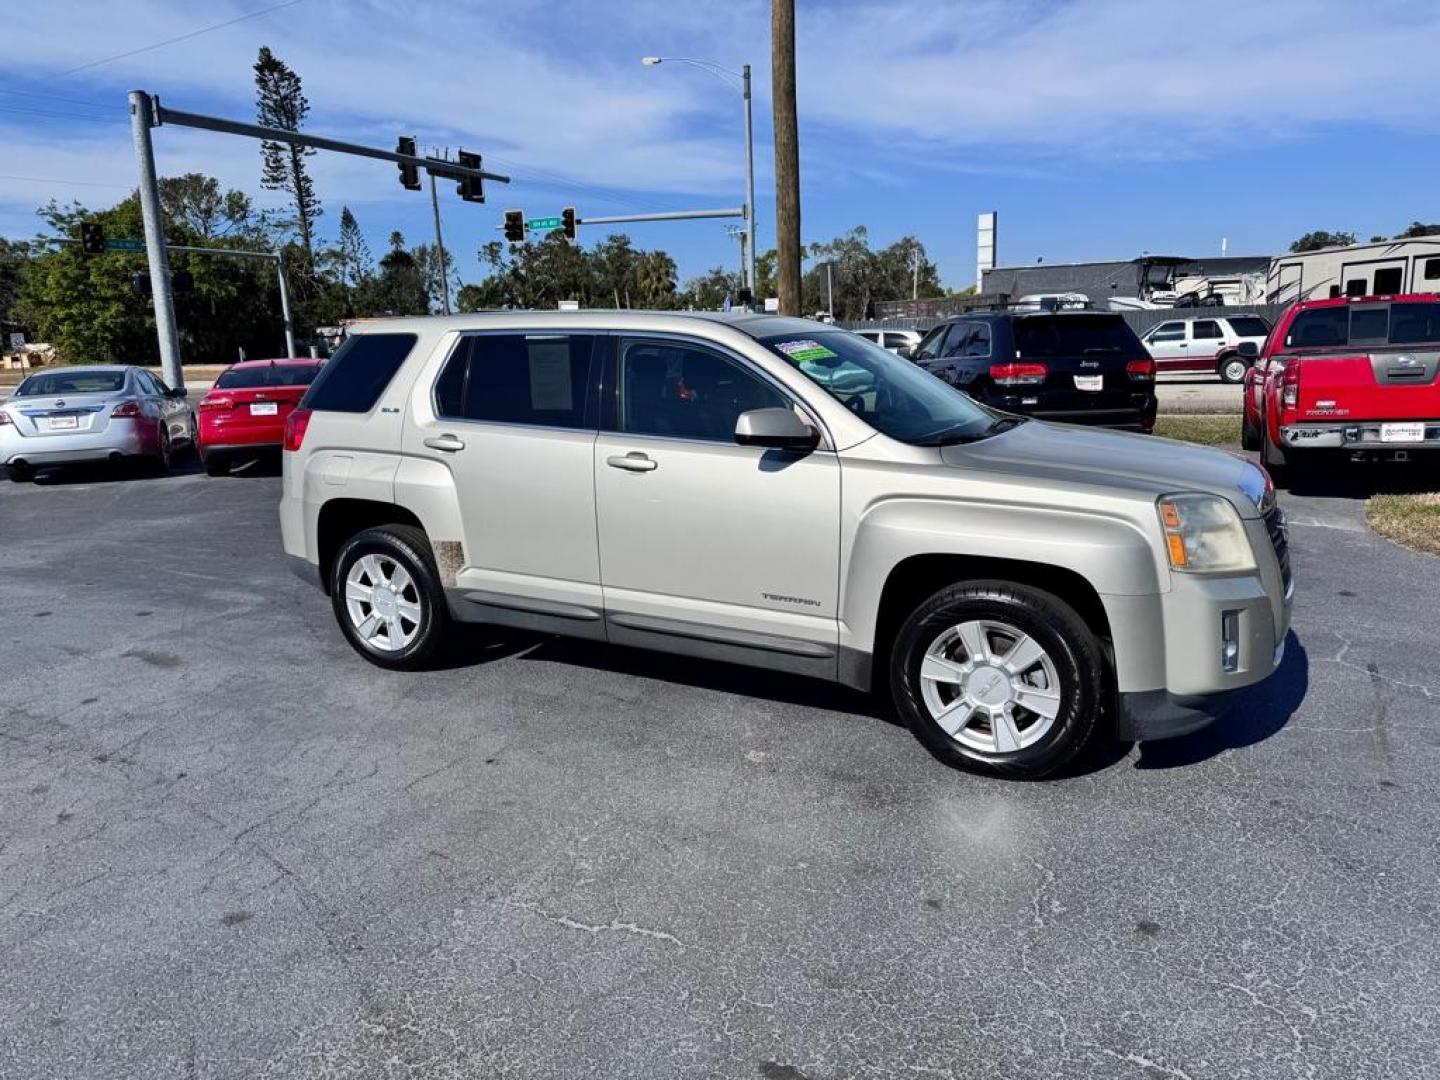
column 1249, row 350
column 777, row 429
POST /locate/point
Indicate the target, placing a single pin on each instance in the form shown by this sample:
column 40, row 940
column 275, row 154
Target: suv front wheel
column 998, row 677
column 388, row 599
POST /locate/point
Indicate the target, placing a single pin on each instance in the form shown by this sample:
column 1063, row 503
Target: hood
column 1072, row 456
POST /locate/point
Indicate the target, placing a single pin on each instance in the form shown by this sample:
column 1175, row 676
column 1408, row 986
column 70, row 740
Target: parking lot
column 229, row 847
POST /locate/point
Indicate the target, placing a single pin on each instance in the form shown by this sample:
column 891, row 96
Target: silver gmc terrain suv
column 775, row 492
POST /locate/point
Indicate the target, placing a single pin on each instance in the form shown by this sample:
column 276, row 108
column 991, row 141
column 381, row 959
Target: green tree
column 13, row 260
column 1314, row 241
column 710, row 290
column 87, row 307
column 1418, row 229
column 197, row 202
column 400, row 287
column 281, row 103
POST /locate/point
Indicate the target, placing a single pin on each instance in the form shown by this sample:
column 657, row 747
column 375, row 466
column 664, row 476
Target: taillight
column 1018, row 374
column 209, row 403
column 295, row 425
column 1141, row 370
column 126, row 410
column 1290, row 385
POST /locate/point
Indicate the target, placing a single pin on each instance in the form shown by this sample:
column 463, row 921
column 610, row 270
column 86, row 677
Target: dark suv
column 1079, row 367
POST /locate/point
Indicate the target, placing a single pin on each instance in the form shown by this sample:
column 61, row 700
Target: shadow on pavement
column 1347, row 480
column 1260, row 712
column 184, row 464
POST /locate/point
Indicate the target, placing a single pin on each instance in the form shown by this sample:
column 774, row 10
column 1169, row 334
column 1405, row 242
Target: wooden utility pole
column 787, row 154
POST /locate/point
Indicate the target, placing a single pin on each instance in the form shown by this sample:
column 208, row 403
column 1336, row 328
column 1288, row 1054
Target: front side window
column 684, row 391
column 890, row 394
column 1170, row 331
column 974, row 340
column 537, row 379
column 1206, row 330
column 354, row 378
column 932, row 346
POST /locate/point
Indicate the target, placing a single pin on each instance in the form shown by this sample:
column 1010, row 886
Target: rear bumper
column 120, row 438
column 215, row 449
column 1354, row 435
column 1137, row 411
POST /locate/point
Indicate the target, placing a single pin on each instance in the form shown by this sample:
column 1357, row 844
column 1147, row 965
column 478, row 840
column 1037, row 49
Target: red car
column 1348, row 377
column 243, row 415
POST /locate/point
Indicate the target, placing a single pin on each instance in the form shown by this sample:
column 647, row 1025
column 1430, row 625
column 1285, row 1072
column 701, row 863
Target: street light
column 730, row 78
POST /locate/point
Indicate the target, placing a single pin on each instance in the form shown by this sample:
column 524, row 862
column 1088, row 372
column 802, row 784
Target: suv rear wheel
column 1232, row 368
column 998, row 677
column 387, row 597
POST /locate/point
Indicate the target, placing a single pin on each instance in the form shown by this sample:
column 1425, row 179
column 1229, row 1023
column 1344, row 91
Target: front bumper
column 1146, row 715
column 1355, row 435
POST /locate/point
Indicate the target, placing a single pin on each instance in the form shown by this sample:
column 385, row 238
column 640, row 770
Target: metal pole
column 142, row 118
column 749, row 186
column 440, row 248
column 915, row 282
column 830, row 287
column 285, row 306
column 669, row 215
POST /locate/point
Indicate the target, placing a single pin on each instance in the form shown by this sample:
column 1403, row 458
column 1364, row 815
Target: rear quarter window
column 354, row 378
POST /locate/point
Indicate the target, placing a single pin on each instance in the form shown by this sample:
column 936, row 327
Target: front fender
column 1111, row 553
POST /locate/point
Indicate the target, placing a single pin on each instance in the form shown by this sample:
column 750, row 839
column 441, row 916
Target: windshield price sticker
column 805, row 350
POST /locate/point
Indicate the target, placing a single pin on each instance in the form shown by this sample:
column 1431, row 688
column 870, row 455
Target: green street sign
column 124, row 245
column 539, row 224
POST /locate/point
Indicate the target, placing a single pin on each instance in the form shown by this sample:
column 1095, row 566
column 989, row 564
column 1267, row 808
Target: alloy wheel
column 990, row 686
column 384, row 603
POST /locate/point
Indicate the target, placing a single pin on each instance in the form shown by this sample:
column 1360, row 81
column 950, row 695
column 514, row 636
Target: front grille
column 1280, row 538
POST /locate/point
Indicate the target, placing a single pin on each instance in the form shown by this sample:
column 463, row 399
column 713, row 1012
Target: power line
column 178, row 38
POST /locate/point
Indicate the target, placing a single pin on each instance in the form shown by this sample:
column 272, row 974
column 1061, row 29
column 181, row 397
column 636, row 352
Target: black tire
column 1225, row 368
column 1055, row 627
column 215, row 465
column 20, row 474
column 158, row 464
column 409, row 547
column 1276, row 463
column 1249, row 435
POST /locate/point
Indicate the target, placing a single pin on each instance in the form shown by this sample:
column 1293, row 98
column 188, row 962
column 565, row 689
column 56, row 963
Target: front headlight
column 1204, row 534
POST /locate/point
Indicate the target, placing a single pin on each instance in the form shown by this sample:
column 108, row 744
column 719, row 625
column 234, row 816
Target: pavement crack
column 615, row 926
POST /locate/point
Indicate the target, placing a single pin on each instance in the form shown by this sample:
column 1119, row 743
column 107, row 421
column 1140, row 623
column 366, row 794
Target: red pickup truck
column 1348, row 377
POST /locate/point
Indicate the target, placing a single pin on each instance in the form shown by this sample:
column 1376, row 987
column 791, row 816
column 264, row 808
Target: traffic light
column 568, row 221
column 515, row 226
column 471, row 189
column 409, row 174
column 92, row 238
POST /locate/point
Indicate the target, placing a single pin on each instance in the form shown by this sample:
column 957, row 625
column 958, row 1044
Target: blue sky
column 1097, row 129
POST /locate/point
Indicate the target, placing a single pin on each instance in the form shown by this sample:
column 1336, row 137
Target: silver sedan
column 78, row 414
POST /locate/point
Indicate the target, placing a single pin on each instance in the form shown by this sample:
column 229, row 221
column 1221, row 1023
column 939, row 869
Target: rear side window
column 253, row 378
column 1249, row 326
column 1074, row 335
column 1206, row 330
column 537, row 379
column 354, row 378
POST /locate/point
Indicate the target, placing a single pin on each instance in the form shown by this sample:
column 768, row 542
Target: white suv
column 1206, row 343
column 778, row 493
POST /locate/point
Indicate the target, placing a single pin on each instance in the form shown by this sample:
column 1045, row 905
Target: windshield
column 1073, row 335
column 249, row 378
column 890, row 394
column 71, row 382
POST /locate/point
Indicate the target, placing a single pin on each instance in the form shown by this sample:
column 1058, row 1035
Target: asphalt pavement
column 231, row 848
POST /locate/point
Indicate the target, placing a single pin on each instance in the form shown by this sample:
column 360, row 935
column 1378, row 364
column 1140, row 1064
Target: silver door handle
column 634, row 461
column 448, row 443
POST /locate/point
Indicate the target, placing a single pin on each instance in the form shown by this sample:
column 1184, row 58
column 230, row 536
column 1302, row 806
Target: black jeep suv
column 1078, row 367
